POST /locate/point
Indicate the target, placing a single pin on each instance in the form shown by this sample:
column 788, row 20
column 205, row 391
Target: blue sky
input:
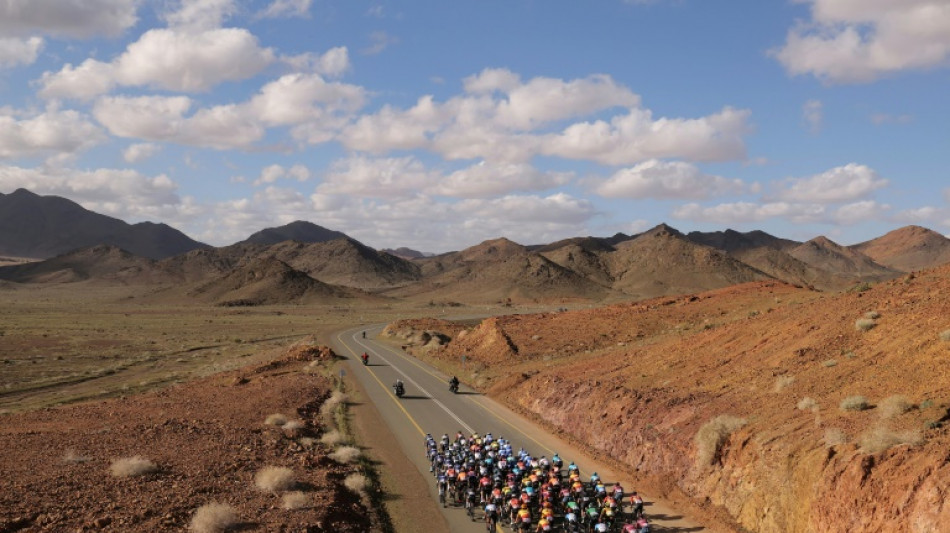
column 437, row 125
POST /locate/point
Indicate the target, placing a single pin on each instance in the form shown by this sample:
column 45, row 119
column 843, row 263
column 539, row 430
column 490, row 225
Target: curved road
column 429, row 407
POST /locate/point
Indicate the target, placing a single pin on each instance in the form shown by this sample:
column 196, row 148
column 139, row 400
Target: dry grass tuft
column 713, row 435
column 72, row 457
column 345, row 454
column 864, row 324
column 274, row 479
column 945, row 335
column 807, row 404
column 295, row 500
column 894, row 406
column 881, row 438
column 854, row 403
column 835, row 436
column 276, row 419
column 332, row 438
column 332, row 403
column 131, row 467
column 307, row 442
column 783, row 381
column 355, row 482
column 830, row 363
column 213, row 518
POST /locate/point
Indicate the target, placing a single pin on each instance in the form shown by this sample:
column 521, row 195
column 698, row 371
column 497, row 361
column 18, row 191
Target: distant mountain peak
column 299, row 230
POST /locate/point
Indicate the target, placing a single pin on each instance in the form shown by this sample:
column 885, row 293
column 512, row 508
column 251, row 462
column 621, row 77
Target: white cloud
column 743, row 212
column 378, row 178
column 157, row 118
column 813, row 115
column 333, row 63
column 136, row 153
column 379, row 41
column 166, row 59
column 297, row 98
column 287, row 8
column 863, row 211
column 67, row 18
column 19, row 51
column 849, row 41
column 636, row 137
column 484, row 180
column 840, row 184
column 192, row 61
column 85, row 82
column 200, row 15
column 50, row 132
column 272, row 173
column 503, row 119
column 666, row 180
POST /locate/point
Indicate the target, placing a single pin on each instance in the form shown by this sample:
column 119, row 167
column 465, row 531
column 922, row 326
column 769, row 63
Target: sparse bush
column 275, row 419
column 345, row 454
column 854, row 403
column 864, row 324
column 807, row 404
column 872, row 315
column 881, row 438
column 850, row 354
column 72, row 457
column 830, row 363
column 306, row 442
column 926, row 404
column 332, row 403
column 713, row 435
column 295, row 500
column 213, row 518
column 274, row 479
column 945, row 335
column 835, row 436
column 332, row 438
column 131, row 466
column 894, row 406
column 782, row 381
column 294, row 426
column 355, row 482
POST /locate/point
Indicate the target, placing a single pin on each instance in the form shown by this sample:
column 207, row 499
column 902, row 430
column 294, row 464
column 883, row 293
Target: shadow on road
column 411, row 397
column 468, row 393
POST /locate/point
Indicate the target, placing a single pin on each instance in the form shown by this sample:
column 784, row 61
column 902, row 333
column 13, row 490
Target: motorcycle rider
column 454, row 384
column 365, row 358
column 398, row 387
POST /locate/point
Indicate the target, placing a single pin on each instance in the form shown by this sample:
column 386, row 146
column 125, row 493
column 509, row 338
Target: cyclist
column 491, row 516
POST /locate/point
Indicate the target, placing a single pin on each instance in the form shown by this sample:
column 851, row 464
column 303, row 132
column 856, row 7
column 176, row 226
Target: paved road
column 429, row 407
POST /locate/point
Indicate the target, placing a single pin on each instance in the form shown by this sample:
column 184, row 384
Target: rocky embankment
column 792, row 411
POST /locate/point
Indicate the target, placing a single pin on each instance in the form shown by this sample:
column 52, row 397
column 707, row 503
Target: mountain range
column 304, row 263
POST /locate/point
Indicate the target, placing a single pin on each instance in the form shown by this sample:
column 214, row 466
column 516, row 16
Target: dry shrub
column 830, row 363
column 864, row 324
column 295, row 500
column 713, row 435
column 72, row 457
column 131, row 466
column 355, row 482
column 214, row 517
column 881, row 438
column 306, row 442
column 945, row 335
column 276, row 419
column 274, row 478
column 782, row 381
column 894, row 406
column 345, row 454
column 332, row 438
column 835, row 436
column 872, row 315
column 854, row 403
column 294, row 426
column 807, row 404
column 332, row 403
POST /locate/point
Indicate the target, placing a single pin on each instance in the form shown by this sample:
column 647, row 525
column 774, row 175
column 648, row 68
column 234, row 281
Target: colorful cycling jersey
column 490, row 509
column 601, row 527
column 524, row 515
column 544, row 525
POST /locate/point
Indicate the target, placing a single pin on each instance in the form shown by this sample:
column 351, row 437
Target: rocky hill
column 789, row 410
column 827, row 255
column 300, row 230
column 98, row 263
column 45, row 226
column 907, row 249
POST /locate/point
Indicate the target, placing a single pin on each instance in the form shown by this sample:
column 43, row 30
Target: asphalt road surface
column 429, row 407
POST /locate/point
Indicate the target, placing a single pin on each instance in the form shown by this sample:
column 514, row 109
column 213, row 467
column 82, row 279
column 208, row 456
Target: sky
column 439, row 125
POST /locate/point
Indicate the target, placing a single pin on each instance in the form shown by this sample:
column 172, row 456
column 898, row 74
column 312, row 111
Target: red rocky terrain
column 787, row 409
column 207, row 440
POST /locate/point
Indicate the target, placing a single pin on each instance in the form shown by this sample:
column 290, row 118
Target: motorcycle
column 365, row 359
column 399, row 390
column 454, row 387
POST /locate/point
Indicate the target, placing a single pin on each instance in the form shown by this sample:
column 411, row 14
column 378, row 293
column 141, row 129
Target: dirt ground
column 207, row 442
